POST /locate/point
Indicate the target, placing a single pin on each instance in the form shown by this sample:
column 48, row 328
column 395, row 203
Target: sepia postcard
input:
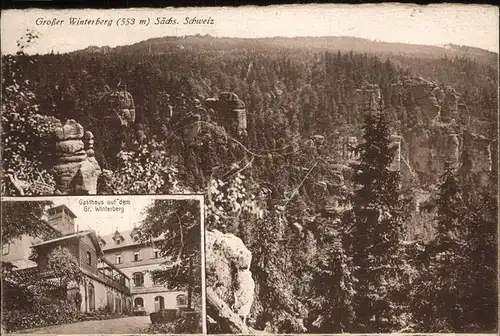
column 290, row 169
column 103, row 265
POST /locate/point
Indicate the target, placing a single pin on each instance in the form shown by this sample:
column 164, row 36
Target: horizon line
column 441, row 46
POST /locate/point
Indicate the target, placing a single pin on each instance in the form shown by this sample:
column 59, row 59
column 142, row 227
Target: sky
column 126, row 213
column 106, row 223
column 472, row 25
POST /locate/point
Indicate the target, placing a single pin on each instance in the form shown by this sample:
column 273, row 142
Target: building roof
column 127, row 240
column 110, row 242
column 92, row 234
column 65, row 208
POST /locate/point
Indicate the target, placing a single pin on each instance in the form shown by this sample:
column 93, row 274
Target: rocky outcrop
column 115, row 125
column 449, row 108
column 477, row 158
column 72, row 164
column 437, row 138
column 228, row 276
column 422, row 93
column 118, row 105
column 229, row 110
column 429, row 149
column 396, row 144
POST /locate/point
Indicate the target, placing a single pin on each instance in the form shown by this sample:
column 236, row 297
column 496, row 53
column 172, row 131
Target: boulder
column 228, row 274
column 90, row 171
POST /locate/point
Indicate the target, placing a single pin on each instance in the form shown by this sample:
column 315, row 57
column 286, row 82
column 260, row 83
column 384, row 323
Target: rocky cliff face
column 228, row 271
column 430, row 145
column 425, row 148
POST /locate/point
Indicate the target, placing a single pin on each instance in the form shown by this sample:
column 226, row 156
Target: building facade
column 116, row 268
column 99, row 289
column 136, row 260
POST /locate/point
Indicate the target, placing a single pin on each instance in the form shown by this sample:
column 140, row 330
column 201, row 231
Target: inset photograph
column 102, row 265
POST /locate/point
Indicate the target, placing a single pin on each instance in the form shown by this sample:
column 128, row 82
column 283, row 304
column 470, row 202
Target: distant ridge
column 332, row 43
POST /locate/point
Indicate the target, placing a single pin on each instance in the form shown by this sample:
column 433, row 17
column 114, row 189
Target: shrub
column 25, row 131
column 39, row 315
column 190, row 324
column 43, row 315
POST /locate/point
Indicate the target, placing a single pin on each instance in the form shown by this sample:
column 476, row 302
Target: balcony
column 114, row 283
column 112, row 276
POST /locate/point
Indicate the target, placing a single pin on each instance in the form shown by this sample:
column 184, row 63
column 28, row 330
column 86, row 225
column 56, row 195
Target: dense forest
column 336, row 244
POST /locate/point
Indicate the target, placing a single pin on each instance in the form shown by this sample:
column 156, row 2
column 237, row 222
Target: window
column 5, row 249
column 137, row 256
column 155, row 280
column 118, row 241
column 89, row 258
column 138, row 302
column 118, row 258
column 159, row 303
column 138, row 279
column 156, row 253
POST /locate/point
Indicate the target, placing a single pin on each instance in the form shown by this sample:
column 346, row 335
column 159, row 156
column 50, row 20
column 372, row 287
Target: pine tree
column 481, row 268
column 333, row 283
column 377, row 228
column 450, row 206
column 457, row 290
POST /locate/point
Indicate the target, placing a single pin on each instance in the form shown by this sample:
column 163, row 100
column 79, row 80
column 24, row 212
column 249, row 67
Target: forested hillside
column 300, row 186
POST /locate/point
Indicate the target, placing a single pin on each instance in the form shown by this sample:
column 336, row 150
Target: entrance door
column 159, row 303
column 118, row 306
column 91, row 297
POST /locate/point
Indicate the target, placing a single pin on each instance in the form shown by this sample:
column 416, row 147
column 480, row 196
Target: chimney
column 62, row 219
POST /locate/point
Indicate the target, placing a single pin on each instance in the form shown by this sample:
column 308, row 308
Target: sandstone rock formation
column 425, row 148
column 118, row 105
column 429, row 149
column 396, row 144
column 424, row 94
column 229, row 280
column 73, row 164
column 477, row 158
column 229, row 110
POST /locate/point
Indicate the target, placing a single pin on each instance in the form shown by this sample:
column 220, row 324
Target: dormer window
column 134, row 234
column 118, row 238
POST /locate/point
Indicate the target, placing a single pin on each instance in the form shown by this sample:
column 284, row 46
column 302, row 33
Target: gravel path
column 124, row 325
